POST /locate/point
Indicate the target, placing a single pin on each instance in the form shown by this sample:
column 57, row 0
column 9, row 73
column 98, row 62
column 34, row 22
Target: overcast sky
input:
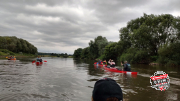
column 61, row 26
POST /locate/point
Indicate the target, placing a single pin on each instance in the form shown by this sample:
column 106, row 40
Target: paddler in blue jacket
column 99, row 62
column 126, row 66
column 37, row 59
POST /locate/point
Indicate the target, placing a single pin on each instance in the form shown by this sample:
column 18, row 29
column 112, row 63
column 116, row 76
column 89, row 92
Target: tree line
column 65, row 55
column 149, row 38
column 17, row 45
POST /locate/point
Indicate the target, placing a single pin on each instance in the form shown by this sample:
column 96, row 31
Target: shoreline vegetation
column 6, row 53
column 149, row 39
column 62, row 55
column 13, row 46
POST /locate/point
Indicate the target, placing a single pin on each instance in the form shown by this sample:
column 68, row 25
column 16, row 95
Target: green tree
column 85, row 53
column 16, row 45
column 110, row 51
column 77, row 53
column 97, row 47
column 101, row 42
column 151, row 32
column 94, row 53
column 169, row 54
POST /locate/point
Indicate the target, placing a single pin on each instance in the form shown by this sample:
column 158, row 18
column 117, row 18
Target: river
column 66, row 79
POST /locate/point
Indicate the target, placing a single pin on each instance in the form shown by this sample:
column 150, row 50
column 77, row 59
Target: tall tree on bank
column 85, row 53
column 97, row 47
column 77, row 53
column 150, row 32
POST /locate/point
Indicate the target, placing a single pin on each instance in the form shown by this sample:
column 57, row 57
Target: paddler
column 40, row 59
column 37, row 59
column 112, row 63
column 99, row 62
column 104, row 62
column 126, row 66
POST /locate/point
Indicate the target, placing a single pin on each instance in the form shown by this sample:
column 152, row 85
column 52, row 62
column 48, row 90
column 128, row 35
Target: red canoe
column 99, row 64
column 39, row 63
column 119, row 71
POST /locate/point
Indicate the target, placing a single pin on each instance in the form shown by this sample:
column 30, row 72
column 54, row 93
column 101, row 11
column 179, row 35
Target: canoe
column 12, row 59
column 120, row 71
column 39, row 63
column 99, row 64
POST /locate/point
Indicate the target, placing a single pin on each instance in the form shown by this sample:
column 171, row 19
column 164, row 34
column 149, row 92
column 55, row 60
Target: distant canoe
column 12, row 59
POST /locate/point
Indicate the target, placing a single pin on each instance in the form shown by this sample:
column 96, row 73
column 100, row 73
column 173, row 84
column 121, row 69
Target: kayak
column 39, row 63
column 120, row 71
column 99, row 64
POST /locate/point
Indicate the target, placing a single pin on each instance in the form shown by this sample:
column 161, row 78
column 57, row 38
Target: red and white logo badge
column 161, row 82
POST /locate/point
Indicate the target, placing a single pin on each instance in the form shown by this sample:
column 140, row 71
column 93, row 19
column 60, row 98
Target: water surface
column 66, row 79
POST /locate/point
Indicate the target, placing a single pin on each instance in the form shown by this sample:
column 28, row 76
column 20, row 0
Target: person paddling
column 37, row 59
column 104, row 62
column 99, row 62
column 126, row 66
column 40, row 59
column 112, row 63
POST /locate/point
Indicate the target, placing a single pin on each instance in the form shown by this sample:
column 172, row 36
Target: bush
column 127, row 57
column 4, row 50
column 141, row 56
column 153, row 58
column 7, row 51
column 102, row 57
column 11, row 53
column 172, row 63
column 134, row 55
column 169, row 54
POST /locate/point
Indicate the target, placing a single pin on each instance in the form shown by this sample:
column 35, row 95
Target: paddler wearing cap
column 107, row 90
column 112, row 63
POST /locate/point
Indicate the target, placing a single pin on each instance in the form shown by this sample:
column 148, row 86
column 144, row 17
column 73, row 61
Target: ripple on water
column 22, row 97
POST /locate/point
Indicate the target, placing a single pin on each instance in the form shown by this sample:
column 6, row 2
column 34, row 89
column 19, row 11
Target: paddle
column 122, row 66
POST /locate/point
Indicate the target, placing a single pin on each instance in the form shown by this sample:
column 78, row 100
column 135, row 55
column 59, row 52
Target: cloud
column 65, row 25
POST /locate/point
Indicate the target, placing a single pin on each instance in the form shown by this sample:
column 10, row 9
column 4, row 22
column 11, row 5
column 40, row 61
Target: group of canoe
column 111, row 68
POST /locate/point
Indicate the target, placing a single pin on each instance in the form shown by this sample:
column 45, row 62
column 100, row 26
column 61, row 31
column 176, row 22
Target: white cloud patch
column 38, row 20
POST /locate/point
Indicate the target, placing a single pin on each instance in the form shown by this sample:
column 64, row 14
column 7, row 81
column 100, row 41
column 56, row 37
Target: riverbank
column 17, row 55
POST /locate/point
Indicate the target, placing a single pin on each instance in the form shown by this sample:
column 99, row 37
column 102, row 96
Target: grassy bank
column 6, row 53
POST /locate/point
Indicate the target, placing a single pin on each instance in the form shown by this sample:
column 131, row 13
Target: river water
column 66, row 79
